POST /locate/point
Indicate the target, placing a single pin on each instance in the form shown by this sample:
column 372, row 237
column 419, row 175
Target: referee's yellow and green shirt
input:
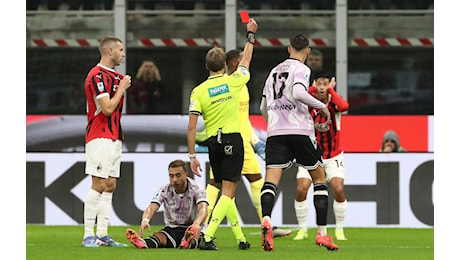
column 218, row 99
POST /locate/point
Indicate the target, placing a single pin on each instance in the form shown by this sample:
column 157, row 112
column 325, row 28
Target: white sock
column 340, row 210
column 103, row 214
column 204, row 227
column 322, row 230
column 301, row 212
column 90, row 211
column 267, row 218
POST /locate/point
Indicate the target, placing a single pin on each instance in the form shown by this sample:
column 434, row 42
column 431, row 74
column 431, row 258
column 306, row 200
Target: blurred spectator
column 390, row 143
column 146, row 94
column 315, row 63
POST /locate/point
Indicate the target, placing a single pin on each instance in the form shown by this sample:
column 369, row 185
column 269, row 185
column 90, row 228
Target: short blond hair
column 215, row 59
column 107, row 42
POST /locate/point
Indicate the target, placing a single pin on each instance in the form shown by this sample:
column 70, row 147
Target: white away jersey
column 286, row 115
column 180, row 210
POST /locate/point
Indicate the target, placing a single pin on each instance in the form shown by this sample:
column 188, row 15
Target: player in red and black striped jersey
column 328, row 137
column 104, row 88
column 101, row 86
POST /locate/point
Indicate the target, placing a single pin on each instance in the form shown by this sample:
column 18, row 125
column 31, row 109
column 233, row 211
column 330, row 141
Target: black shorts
column 173, row 236
column 226, row 158
column 282, row 150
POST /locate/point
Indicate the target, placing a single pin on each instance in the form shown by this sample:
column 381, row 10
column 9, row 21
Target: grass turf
column 64, row 242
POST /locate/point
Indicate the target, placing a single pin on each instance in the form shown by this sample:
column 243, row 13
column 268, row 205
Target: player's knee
column 339, row 197
column 301, row 191
column 109, row 184
column 339, row 193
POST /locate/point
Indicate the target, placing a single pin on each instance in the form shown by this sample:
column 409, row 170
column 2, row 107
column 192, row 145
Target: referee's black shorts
column 281, row 150
column 226, row 158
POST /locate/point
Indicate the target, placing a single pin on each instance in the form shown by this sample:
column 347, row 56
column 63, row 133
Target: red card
column 244, row 16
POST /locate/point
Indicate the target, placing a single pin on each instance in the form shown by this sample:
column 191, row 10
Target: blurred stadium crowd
column 33, row 5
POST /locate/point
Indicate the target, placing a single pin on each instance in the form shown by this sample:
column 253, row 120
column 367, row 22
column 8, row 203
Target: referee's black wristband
column 251, row 37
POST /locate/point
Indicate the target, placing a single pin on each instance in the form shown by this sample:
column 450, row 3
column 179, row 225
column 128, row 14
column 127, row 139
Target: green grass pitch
column 64, row 242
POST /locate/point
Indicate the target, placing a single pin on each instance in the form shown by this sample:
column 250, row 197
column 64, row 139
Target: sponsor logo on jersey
column 219, row 90
column 221, row 100
column 322, row 127
column 282, row 107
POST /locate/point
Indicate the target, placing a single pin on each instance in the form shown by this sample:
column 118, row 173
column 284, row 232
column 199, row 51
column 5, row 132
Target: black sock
column 153, row 242
column 267, row 198
column 320, row 200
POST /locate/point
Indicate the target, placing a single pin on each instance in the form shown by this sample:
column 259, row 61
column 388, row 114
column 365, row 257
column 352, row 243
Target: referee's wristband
column 145, row 220
column 251, row 37
column 192, row 155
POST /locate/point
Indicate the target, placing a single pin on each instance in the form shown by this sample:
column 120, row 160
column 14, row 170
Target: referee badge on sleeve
column 243, row 70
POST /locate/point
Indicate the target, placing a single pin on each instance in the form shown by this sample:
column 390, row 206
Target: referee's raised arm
column 251, row 28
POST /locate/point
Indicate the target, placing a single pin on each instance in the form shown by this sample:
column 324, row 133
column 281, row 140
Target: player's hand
column 144, row 225
column 195, row 166
column 259, row 148
column 388, row 149
column 196, row 230
column 325, row 112
column 331, row 85
column 252, row 26
column 125, row 83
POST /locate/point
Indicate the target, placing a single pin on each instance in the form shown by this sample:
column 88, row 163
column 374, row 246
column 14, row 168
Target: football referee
column 217, row 100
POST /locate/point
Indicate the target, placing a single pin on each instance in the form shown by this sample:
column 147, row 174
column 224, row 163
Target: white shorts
column 103, row 158
column 334, row 167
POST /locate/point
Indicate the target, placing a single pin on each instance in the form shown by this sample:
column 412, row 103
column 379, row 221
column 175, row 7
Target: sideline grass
column 64, row 242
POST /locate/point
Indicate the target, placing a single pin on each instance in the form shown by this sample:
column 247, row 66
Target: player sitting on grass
column 185, row 210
